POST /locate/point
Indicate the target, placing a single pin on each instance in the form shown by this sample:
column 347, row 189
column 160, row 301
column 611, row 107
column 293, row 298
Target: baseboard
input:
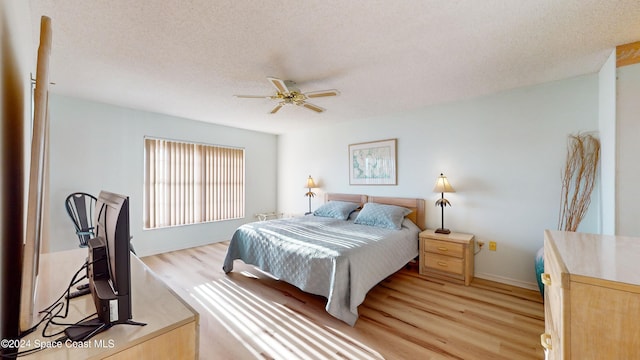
column 174, row 247
column 508, row 281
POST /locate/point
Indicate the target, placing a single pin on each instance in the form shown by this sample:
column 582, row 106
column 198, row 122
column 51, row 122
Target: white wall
column 607, row 130
column 628, row 122
column 96, row 146
column 502, row 153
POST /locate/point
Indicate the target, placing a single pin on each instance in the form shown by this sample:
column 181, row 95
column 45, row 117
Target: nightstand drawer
column 444, row 263
column 444, row 247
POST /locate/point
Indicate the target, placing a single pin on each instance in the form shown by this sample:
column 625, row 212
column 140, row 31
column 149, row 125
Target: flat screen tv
column 112, row 227
column 109, row 267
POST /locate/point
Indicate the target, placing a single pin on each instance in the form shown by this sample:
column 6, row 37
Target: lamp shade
column 442, row 185
column 310, row 183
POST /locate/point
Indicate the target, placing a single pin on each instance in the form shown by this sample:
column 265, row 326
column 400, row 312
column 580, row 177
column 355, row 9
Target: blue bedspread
column 333, row 258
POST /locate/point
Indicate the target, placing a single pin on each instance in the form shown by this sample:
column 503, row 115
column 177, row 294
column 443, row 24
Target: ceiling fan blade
column 322, row 93
column 253, row 96
column 279, row 85
column 313, row 107
column 276, row 108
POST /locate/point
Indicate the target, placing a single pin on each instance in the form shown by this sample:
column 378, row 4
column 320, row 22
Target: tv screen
column 109, row 267
column 112, row 226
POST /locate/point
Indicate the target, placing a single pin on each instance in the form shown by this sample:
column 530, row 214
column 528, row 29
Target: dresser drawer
column 444, row 263
column 444, row 247
column 447, row 256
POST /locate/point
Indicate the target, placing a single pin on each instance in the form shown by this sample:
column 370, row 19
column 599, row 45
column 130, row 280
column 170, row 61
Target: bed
column 333, row 256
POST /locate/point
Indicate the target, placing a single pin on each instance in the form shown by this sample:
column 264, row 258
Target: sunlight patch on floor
column 272, row 330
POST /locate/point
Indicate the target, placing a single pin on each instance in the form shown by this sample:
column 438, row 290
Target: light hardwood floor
column 248, row 315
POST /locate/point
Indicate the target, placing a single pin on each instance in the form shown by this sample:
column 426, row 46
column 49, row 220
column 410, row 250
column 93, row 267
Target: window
column 188, row 183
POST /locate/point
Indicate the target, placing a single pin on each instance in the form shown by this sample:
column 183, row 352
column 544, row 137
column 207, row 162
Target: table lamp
column 443, row 186
column 310, row 194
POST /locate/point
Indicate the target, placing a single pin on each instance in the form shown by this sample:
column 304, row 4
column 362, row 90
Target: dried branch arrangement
column 578, row 179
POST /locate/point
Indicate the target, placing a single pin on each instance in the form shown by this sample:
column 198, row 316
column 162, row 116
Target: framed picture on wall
column 373, row 163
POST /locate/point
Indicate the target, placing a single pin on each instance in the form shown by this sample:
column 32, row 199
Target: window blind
column 189, row 183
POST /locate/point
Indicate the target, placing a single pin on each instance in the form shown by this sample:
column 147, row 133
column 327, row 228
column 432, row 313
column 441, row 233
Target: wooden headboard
column 416, row 205
column 356, row 198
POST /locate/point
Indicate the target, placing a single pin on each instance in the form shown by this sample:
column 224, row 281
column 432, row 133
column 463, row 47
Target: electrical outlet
column 493, row 246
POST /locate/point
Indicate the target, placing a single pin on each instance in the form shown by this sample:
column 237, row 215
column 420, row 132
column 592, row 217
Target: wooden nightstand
column 447, row 256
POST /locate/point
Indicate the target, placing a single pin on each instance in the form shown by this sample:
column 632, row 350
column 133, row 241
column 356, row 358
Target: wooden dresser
column 592, row 296
column 172, row 330
column 447, row 256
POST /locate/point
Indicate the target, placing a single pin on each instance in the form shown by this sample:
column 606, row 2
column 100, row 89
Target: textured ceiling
column 188, row 57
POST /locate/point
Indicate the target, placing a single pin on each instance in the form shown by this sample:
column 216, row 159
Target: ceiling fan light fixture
column 288, row 95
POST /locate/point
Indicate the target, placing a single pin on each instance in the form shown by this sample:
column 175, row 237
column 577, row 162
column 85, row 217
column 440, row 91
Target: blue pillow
column 336, row 209
column 380, row 215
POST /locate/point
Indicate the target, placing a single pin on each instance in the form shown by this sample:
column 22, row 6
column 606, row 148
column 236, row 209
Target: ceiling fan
column 287, row 94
